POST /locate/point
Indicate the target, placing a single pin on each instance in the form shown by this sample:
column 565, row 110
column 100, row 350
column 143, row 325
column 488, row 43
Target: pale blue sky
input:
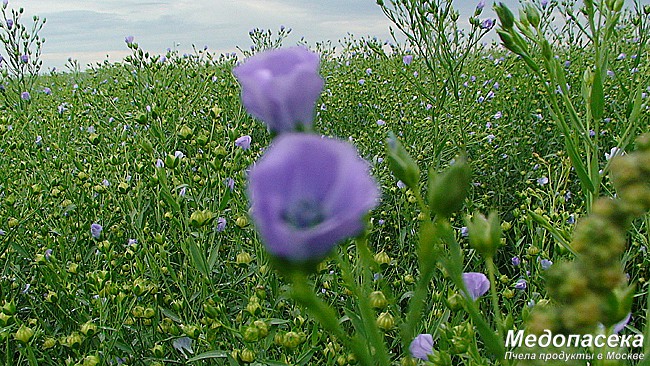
column 90, row 30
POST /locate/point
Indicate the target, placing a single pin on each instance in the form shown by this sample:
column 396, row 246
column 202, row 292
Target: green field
column 146, row 149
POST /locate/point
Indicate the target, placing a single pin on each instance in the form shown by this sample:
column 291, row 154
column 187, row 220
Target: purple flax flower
column 477, row 284
column 244, row 142
column 487, row 24
column 96, row 230
column 230, row 183
column 542, row 181
column 407, row 59
column 280, row 87
column 47, row 91
column 521, row 284
column 545, row 263
column 25, row 96
column 308, row 193
column 24, row 59
column 515, row 261
column 422, row 346
column 128, row 39
column 10, row 23
column 480, row 5
column 221, row 224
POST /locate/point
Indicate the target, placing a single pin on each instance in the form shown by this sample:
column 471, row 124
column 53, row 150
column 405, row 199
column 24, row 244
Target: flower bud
column 74, row 340
column 243, row 258
column 532, row 15
column 24, row 334
column 382, row 259
column 201, row 218
column 385, row 321
column 484, row 233
column 48, row 343
column 90, row 360
column 378, row 300
column 185, row 132
column 247, row 355
column 291, row 340
column 506, row 17
column 447, row 191
column 401, row 163
column 158, row 351
column 89, row 328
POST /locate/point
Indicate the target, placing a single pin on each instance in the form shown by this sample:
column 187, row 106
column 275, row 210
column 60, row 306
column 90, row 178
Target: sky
column 92, row 31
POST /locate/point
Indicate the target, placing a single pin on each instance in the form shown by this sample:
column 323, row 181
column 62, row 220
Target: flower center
column 304, row 214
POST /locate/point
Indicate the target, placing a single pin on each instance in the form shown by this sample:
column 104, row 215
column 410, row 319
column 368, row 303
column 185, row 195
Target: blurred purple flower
column 221, row 224
column 542, row 181
column 477, row 284
column 480, row 5
column 10, row 23
column 521, row 284
column 128, row 39
column 487, row 24
column 47, row 91
column 545, row 263
column 308, row 193
column 24, row 59
column 515, row 261
column 25, row 96
column 407, row 59
column 244, row 142
column 280, row 87
column 544, row 3
column 618, row 327
column 230, row 183
column 96, row 230
column 422, row 346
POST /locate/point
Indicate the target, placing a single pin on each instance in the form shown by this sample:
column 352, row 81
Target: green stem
column 326, row 316
column 495, row 299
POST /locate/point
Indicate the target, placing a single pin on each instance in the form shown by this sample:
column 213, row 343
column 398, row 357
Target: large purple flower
column 307, row 194
column 422, row 346
column 280, row 87
column 477, row 284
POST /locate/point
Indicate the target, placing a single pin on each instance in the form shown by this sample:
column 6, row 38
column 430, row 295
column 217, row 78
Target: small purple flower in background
column 464, row 232
column 280, row 87
column 368, row 71
column 244, row 142
column 497, row 115
column 487, row 24
column 361, row 81
column 422, row 346
column 48, row 253
column 159, row 163
column 24, row 59
column 47, row 91
column 545, row 263
column 621, row 56
column 182, row 192
column 542, row 181
column 128, row 40
column 25, row 96
column 380, row 122
column 221, row 224
column 521, row 284
column 515, row 261
column 39, row 140
column 480, row 5
column 407, row 59
column 230, row 183
column 477, row 284
column 178, row 154
column 544, row 3
column 96, row 230
column 10, row 23
column 307, row 194
column 132, row 242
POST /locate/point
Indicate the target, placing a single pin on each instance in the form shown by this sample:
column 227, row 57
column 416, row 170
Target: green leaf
column 578, row 165
column 209, row 355
column 597, row 97
column 197, row 257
